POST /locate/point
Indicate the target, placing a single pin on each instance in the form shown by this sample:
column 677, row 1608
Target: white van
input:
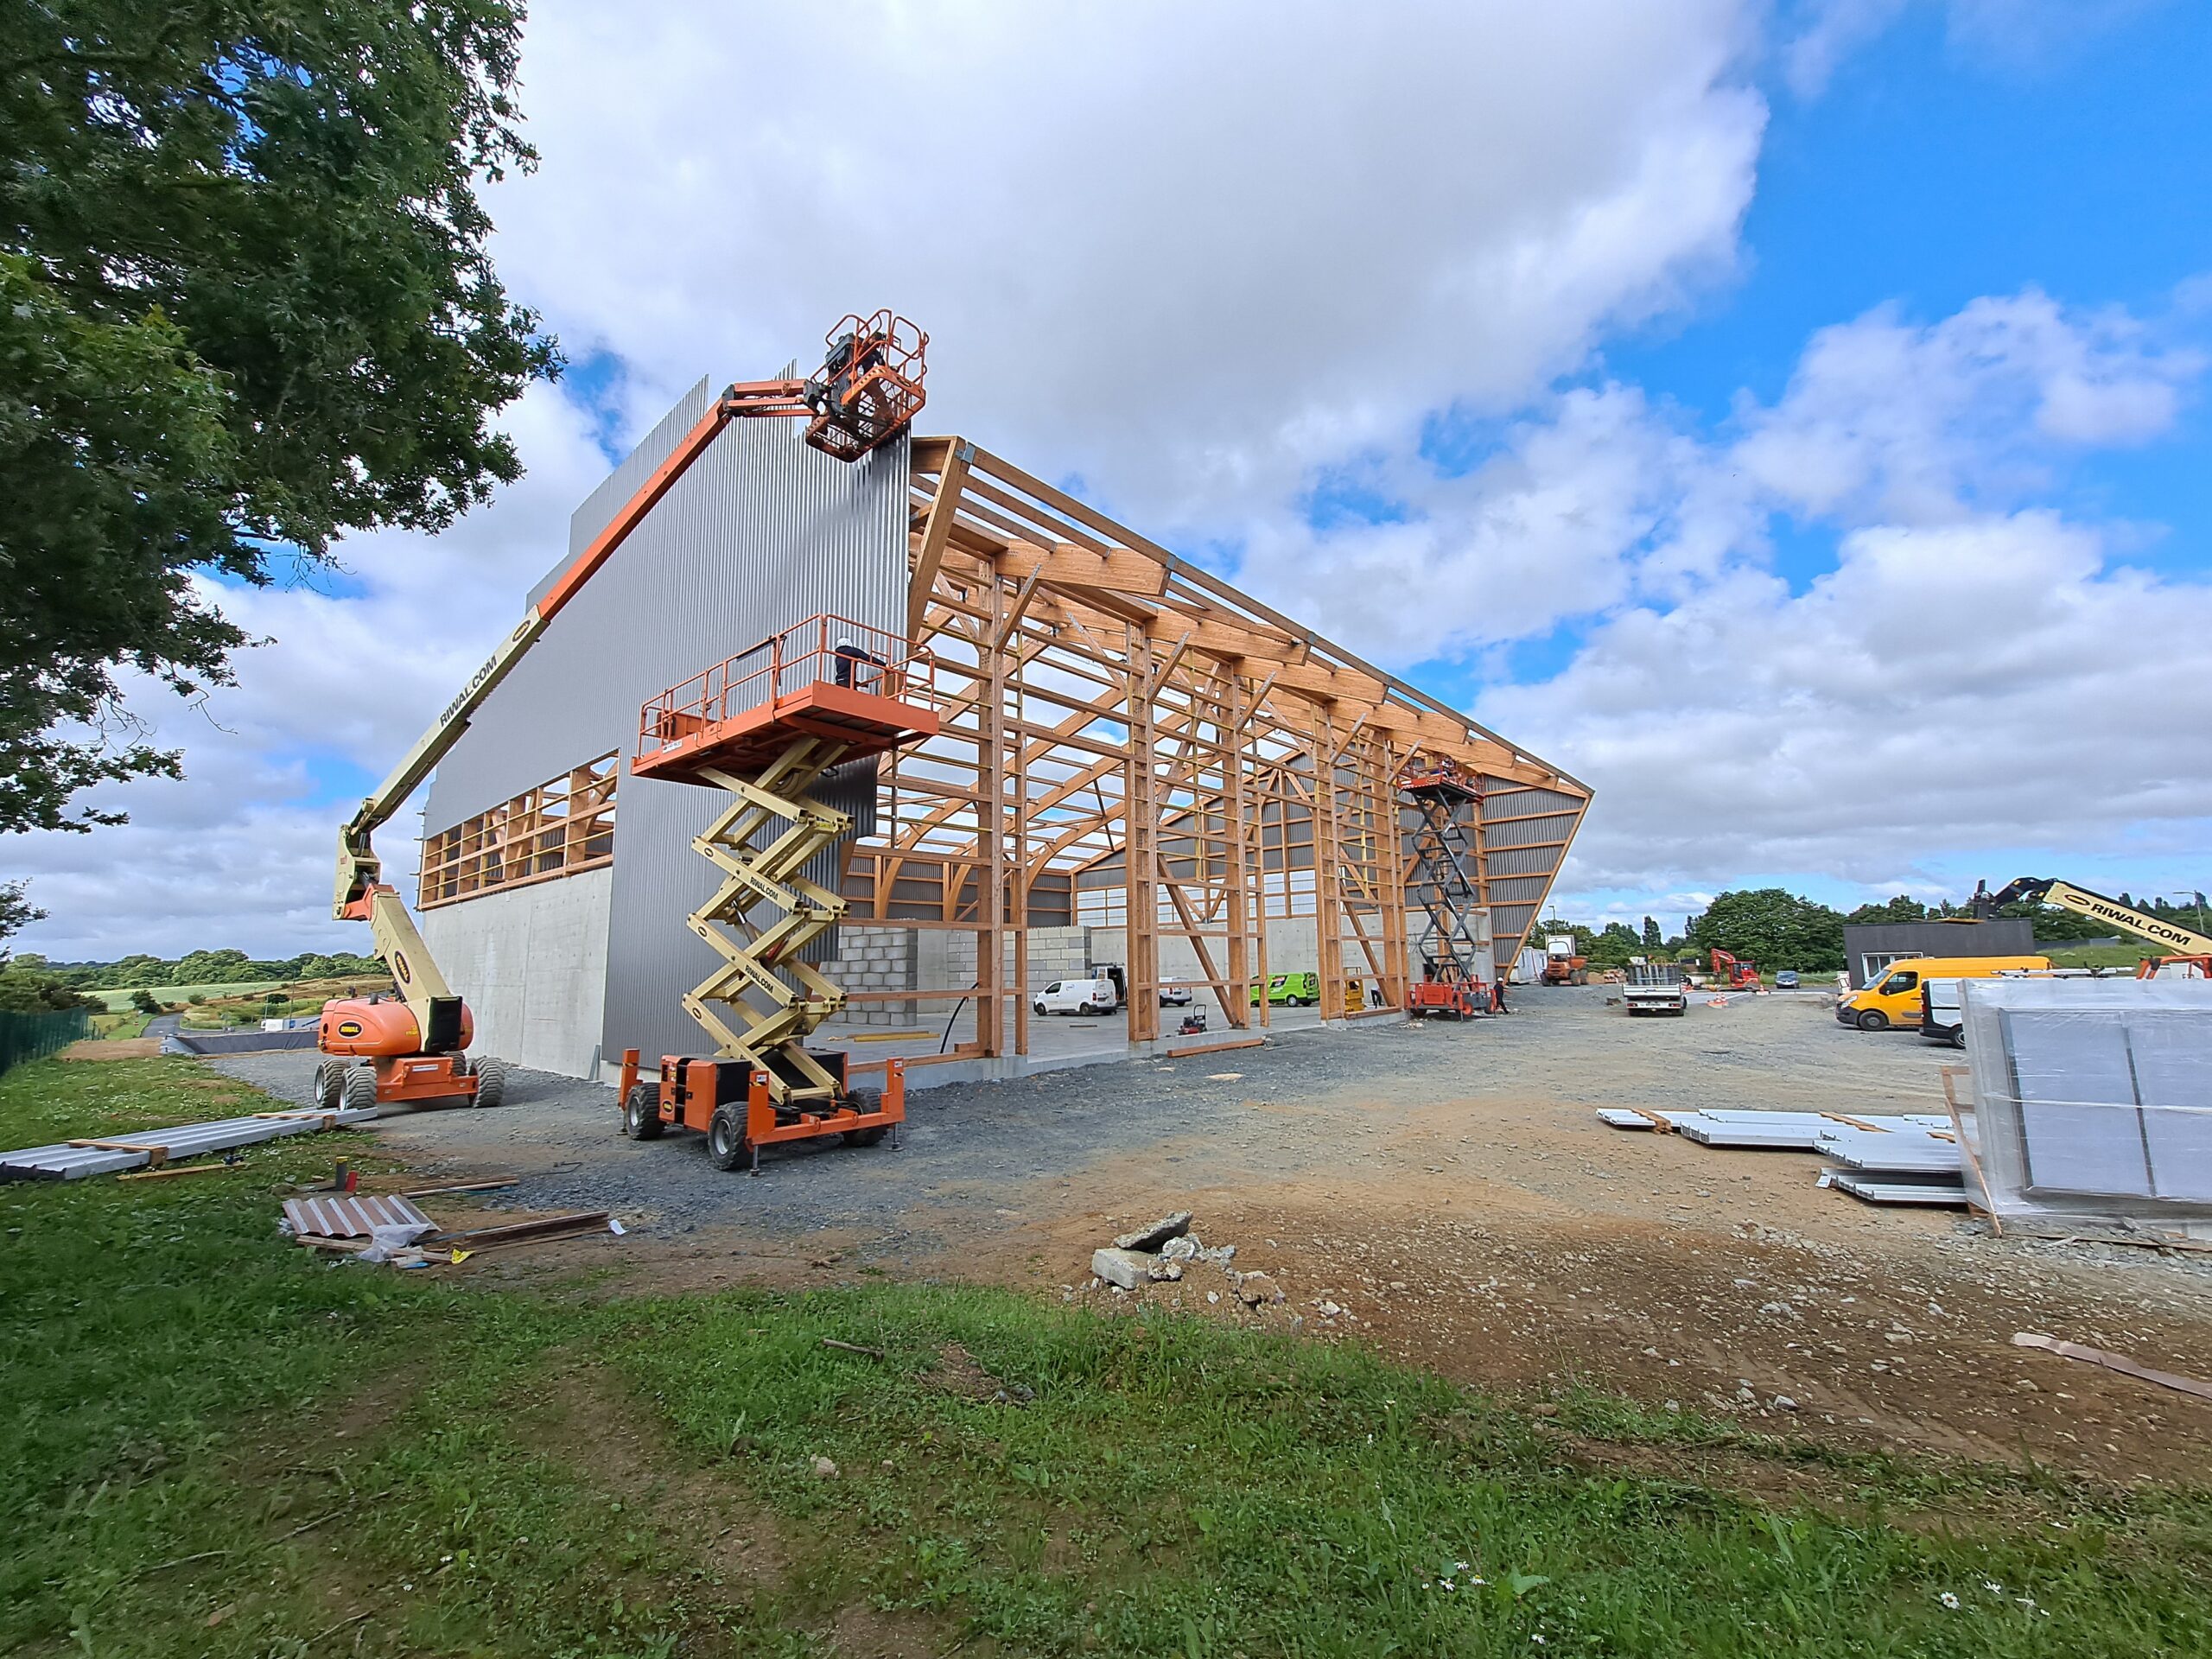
column 1077, row 996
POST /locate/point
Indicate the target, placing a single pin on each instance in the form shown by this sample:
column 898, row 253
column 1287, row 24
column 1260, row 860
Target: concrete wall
column 948, row 959
column 872, row 958
column 532, row 962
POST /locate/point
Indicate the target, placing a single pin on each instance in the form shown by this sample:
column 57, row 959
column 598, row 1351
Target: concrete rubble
column 1163, row 1252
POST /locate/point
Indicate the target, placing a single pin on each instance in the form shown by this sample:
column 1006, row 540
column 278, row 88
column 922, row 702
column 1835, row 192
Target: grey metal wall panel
column 599, row 507
column 761, row 533
column 1521, row 860
column 1527, row 832
column 1501, row 803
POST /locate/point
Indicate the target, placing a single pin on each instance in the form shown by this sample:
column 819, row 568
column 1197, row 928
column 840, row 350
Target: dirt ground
column 1451, row 1193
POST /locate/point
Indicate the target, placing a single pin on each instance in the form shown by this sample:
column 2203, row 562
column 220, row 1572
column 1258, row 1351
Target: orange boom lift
column 867, row 391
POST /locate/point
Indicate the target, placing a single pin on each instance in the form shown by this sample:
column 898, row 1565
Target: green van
column 1291, row 990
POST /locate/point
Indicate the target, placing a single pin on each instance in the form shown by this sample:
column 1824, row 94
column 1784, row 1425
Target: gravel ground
column 964, row 1141
column 1444, row 1194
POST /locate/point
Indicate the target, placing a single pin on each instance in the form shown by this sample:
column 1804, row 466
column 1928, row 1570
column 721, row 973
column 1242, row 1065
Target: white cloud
column 1187, row 253
column 1973, row 685
column 1977, row 671
column 1185, row 250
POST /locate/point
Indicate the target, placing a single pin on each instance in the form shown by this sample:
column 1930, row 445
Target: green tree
column 245, row 305
column 1772, row 927
column 144, row 1001
column 1651, row 939
column 1903, row 908
column 23, row 991
column 17, row 912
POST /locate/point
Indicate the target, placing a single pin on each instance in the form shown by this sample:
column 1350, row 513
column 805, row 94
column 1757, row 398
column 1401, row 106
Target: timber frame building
column 1132, row 755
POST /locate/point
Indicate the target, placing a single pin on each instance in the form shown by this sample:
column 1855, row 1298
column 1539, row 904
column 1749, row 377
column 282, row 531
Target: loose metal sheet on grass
column 106, row 1154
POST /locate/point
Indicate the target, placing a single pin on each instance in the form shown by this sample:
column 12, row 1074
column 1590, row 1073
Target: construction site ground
column 1451, row 1192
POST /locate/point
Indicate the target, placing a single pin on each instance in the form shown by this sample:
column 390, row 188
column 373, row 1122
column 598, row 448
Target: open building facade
column 1135, row 765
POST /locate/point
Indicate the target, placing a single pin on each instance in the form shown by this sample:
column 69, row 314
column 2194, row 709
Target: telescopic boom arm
column 867, row 392
column 2049, row 890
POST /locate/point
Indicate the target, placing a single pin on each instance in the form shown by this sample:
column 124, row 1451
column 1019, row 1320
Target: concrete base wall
column 1055, row 953
column 531, row 963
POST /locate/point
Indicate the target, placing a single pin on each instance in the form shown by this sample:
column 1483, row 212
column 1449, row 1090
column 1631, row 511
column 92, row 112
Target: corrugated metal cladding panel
column 1521, row 860
column 1528, row 803
column 1527, row 832
column 1519, row 889
column 762, row 533
column 599, row 507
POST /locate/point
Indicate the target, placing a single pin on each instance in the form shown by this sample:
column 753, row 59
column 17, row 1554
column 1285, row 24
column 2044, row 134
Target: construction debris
column 1909, row 1158
column 337, row 1217
column 2112, row 1361
column 1152, row 1238
column 73, row 1161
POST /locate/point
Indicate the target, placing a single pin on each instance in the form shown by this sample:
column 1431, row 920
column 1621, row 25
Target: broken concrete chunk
column 1123, row 1269
column 1179, row 1249
column 1152, row 1238
column 1163, row 1268
column 1253, row 1288
column 824, row 1470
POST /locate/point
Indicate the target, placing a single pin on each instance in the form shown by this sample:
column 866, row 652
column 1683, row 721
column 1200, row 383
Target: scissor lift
column 1452, row 980
column 764, row 726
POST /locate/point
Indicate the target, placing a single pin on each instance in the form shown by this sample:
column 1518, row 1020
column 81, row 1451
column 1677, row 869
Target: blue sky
column 1926, row 173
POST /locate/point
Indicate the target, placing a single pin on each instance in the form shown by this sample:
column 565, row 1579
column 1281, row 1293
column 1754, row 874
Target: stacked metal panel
column 1888, row 1158
column 106, row 1154
column 2092, row 1097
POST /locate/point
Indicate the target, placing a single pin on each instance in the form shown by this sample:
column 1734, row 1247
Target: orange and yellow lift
column 414, row 1047
column 764, row 726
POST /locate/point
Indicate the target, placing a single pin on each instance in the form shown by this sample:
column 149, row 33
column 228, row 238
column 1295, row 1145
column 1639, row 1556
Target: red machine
column 762, row 728
column 1734, row 972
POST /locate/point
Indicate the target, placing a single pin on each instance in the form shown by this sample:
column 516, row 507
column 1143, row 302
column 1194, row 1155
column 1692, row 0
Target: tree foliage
column 1772, row 927
column 206, row 967
column 245, row 305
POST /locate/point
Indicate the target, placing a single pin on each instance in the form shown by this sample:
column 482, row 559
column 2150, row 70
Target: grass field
column 216, row 1444
column 118, row 1001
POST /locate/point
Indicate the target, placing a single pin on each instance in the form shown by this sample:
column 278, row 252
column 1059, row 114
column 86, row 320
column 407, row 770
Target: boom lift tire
column 726, row 1137
column 360, row 1090
column 490, row 1083
column 1873, row 1019
column 866, row 1102
column 329, row 1085
column 641, row 1113
column 459, row 1061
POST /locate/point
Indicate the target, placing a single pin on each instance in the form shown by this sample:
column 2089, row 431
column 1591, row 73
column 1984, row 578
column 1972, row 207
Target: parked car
column 1786, row 980
column 1293, row 991
column 1077, row 996
column 1174, row 993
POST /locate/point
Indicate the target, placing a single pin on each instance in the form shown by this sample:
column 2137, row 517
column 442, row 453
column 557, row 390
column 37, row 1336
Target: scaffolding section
column 1443, row 883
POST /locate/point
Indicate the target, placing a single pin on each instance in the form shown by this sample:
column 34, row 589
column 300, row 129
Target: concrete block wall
column 871, row 958
column 531, row 961
column 1054, row 953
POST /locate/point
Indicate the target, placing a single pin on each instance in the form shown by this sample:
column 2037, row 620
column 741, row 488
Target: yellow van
column 1894, row 999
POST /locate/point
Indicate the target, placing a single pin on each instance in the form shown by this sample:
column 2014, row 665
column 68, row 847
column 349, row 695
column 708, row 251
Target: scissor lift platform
column 763, row 727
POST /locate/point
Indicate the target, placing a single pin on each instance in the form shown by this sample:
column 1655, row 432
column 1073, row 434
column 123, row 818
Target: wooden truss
column 1126, row 740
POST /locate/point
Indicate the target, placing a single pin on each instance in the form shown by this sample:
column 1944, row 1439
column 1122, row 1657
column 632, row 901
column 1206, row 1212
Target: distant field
column 118, row 1001
column 2099, row 956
